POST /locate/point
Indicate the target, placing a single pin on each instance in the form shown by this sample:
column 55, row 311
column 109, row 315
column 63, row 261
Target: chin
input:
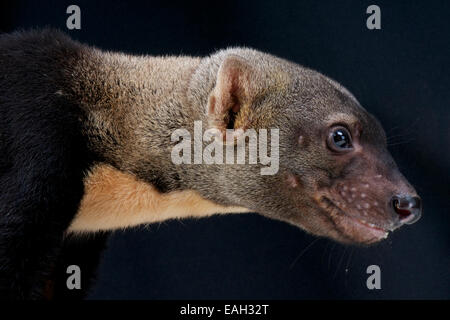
column 358, row 232
column 349, row 229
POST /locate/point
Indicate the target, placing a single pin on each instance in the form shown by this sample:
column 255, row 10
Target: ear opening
column 232, row 114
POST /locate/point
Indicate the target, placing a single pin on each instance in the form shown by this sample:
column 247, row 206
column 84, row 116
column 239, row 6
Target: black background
column 399, row 73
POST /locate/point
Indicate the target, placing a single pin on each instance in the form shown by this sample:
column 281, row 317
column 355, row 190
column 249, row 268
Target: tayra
column 86, row 144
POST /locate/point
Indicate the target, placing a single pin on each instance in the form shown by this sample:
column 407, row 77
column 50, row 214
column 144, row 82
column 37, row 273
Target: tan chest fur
column 115, row 200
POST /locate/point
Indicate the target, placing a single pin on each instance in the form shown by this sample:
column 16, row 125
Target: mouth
column 353, row 229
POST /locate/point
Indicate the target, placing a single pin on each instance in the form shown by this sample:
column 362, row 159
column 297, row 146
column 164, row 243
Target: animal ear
column 232, row 95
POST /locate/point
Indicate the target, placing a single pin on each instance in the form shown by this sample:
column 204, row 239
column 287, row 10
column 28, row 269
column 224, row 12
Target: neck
column 132, row 105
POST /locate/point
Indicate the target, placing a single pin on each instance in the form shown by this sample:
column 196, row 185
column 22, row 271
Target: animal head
column 336, row 177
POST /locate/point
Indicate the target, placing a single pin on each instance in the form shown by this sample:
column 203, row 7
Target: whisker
column 324, row 252
column 347, row 266
column 340, row 262
column 400, row 142
column 400, row 136
column 329, row 257
column 408, row 132
column 395, row 128
column 303, row 252
column 349, row 258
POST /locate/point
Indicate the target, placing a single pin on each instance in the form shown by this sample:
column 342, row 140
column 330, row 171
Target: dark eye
column 339, row 139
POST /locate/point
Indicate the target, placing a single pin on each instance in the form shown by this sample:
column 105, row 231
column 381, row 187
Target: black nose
column 408, row 209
